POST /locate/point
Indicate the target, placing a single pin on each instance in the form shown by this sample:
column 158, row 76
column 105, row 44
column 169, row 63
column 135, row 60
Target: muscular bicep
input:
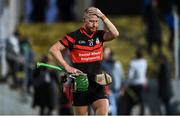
column 57, row 47
column 61, row 46
column 56, row 52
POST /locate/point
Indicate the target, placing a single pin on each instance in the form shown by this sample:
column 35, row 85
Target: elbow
column 52, row 50
column 115, row 34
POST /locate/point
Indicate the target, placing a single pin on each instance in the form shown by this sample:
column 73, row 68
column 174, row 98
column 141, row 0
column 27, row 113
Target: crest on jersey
column 97, row 40
column 90, row 42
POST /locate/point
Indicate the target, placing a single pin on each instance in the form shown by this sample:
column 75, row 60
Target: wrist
column 103, row 17
column 64, row 65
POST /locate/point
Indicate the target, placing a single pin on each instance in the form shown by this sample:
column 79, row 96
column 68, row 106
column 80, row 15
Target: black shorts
column 95, row 92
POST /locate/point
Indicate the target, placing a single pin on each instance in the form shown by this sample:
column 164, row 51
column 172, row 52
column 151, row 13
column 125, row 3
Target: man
column 13, row 56
column 86, row 51
column 135, row 83
column 114, row 68
column 165, row 91
column 152, row 26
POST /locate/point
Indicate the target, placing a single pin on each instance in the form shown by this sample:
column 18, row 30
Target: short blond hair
column 86, row 12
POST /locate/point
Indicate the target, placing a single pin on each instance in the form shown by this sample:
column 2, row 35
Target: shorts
column 95, row 92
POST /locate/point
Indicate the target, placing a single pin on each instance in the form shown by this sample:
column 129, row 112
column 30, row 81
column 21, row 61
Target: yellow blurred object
column 21, row 74
column 104, row 79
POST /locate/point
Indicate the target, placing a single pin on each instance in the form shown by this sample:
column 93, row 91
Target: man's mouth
column 93, row 29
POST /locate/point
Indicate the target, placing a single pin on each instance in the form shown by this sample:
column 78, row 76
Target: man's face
column 91, row 23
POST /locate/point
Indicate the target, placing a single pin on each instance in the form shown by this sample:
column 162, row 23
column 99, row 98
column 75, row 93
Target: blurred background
column 29, row 27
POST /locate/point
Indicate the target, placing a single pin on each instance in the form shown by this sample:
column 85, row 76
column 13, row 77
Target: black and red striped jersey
column 86, row 51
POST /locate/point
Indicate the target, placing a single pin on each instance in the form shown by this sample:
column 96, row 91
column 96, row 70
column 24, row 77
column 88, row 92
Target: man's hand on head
column 99, row 13
column 95, row 11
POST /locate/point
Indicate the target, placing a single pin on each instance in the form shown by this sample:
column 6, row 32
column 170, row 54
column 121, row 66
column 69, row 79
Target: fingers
column 95, row 11
column 73, row 70
column 92, row 9
column 79, row 72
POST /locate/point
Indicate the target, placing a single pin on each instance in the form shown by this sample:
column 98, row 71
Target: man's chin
column 93, row 30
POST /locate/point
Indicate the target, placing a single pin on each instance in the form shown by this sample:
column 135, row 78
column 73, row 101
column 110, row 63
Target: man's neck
column 87, row 30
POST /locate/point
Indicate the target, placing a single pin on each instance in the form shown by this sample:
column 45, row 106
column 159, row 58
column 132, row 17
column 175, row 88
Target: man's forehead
column 91, row 16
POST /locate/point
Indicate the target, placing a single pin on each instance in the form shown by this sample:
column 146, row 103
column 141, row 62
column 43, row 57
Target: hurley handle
column 41, row 64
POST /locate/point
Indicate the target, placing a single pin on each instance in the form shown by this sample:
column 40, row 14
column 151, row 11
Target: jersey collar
column 82, row 30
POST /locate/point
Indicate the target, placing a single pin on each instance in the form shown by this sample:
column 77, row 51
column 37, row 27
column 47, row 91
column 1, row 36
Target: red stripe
column 64, row 41
column 81, row 29
column 70, row 39
column 88, row 47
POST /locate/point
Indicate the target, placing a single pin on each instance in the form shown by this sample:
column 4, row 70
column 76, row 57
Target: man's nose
column 94, row 24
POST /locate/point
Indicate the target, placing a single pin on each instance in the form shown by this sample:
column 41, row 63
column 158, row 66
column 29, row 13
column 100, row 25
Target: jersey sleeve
column 67, row 41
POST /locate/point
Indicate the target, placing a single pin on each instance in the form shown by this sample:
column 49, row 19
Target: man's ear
column 84, row 19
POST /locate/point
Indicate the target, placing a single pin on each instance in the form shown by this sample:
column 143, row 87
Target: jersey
column 86, row 51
